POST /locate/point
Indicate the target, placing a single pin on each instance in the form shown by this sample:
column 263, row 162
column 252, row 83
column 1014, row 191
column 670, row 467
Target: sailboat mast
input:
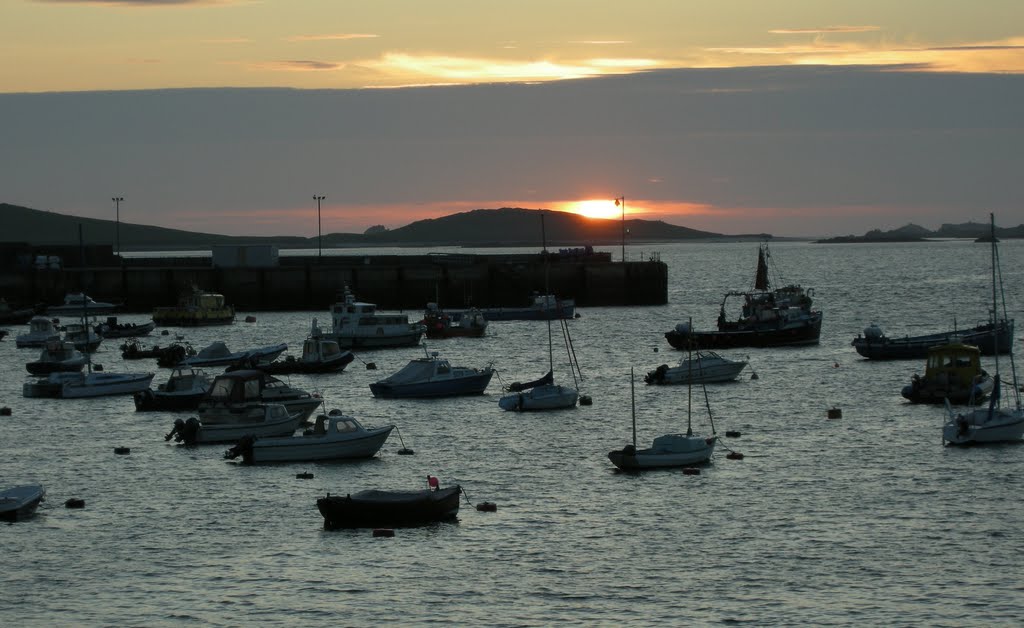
column 632, row 395
column 85, row 303
column 995, row 306
column 689, row 383
column 547, row 290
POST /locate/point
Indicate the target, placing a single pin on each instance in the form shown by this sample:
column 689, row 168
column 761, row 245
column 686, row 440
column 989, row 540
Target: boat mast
column 689, row 383
column 632, row 394
column 547, row 292
column 85, row 304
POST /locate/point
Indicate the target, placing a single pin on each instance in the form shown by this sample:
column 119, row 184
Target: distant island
column 477, row 228
column 916, row 233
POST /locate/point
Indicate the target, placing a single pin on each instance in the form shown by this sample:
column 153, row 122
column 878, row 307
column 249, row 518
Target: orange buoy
column 385, row 532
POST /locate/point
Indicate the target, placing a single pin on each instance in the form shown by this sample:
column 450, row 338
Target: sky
column 791, row 117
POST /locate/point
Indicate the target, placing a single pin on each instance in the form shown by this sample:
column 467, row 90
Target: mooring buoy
column 487, row 507
column 305, row 475
column 734, row 455
column 691, row 471
column 384, row 532
column 75, row 502
column 122, row 451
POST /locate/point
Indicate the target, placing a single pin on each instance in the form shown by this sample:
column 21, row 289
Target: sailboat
column 668, row 450
column 991, row 422
column 544, row 393
column 73, row 385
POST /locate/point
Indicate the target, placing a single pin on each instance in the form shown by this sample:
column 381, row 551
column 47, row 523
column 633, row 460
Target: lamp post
column 117, row 225
column 622, row 201
column 319, row 245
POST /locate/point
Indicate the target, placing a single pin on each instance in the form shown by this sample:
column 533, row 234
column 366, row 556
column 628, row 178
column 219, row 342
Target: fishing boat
column 78, row 303
column 769, row 317
column 992, row 422
column 113, row 329
column 432, row 376
column 319, row 355
column 57, row 356
column 184, row 390
column 374, row 508
column 462, row 324
column 40, row 331
column 953, row 372
column 334, row 436
column 217, row 354
column 195, row 309
column 667, row 450
column 702, row 367
column 989, row 338
column 236, row 393
column 273, row 419
column 358, row 325
column 20, row 502
column 167, row 357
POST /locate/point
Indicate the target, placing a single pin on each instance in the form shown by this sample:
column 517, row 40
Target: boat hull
column 540, row 398
column 45, row 368
column 389, row 508
column 806, row 332
column 125, row 330
column 148, row 400
column 473, row 385
column 79, row 386
column 986, row 337
column 20, row 502
column 697, row 374
column 288, row 367
column 313, row 448
column 979, row 427
column 383, row 341
column 691, row 450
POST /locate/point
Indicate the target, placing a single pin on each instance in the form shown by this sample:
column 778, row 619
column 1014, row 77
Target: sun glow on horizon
column 594, row 208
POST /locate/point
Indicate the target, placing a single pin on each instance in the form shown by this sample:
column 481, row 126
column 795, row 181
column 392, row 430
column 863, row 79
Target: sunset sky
column 794, row 117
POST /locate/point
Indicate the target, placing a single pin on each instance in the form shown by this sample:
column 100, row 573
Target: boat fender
column 305, row 475
column 122, row 451
column 383, row 532
column 734, row 455
column 5, row 411
column 75, row 502
column 487, row 507
column 691, row 471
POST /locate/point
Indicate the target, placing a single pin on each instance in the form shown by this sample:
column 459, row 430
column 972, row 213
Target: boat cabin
column 244, row 386
column 953, row 363
column 335, row 424
column 185, row 379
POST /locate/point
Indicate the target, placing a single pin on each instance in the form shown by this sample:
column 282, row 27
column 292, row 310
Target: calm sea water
column 862, row 520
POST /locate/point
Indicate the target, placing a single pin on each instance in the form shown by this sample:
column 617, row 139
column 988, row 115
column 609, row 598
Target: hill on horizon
column 479, row 227
column 916, row 233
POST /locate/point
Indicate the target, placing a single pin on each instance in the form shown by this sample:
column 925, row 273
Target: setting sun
column 597, row 208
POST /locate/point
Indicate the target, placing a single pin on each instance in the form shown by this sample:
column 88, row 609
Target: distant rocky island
column 507, row 226
column 917, row 233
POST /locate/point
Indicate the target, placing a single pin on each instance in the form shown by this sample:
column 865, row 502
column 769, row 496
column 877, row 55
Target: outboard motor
column 873, row 332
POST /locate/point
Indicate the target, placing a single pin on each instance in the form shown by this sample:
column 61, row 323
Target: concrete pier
column 391, row 281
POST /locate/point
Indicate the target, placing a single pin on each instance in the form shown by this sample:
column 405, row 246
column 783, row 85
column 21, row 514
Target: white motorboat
column 184, row 390
column 991, row 422
column 334, row 436
column 234, row 394
column 217, row 354
column 358, row 325
column 273, row 419
column 84, row 338
column 80, row 304
column 704, row 367
column 667, row 450
column 40, row 331
column 20, row 502
column 57, row 356
column 432, row 376
column 92, row 384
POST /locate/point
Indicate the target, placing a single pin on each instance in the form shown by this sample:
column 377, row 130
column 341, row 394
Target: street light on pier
column 319, row 245
column 117, row 225
column 622, row 201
